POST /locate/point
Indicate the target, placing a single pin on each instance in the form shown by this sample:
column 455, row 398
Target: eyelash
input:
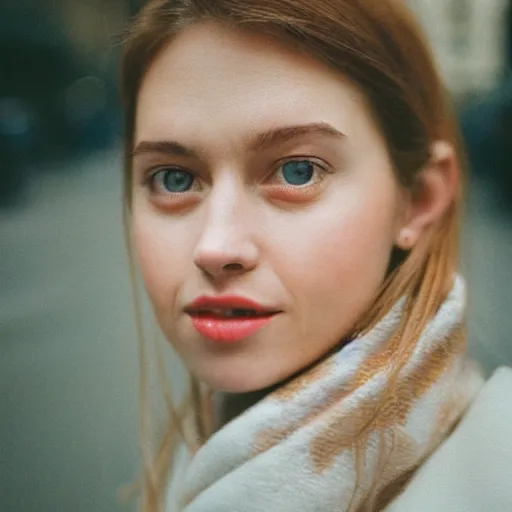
column 320, row 167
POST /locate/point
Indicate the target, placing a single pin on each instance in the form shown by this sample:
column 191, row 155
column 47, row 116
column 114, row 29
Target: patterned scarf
column 342, row 436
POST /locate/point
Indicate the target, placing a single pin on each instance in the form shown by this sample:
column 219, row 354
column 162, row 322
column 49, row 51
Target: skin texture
column 316, row 252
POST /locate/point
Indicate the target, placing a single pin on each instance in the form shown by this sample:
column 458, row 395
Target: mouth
column 230, row 306
column 228, row 319
column 228, row 313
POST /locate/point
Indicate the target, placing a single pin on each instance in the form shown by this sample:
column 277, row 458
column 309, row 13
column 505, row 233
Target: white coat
column 472, row 470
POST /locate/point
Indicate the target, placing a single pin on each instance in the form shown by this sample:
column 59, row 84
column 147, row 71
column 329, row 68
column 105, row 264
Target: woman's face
column 260, row 174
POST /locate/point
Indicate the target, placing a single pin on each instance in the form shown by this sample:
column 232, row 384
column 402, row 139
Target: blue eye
column 298, row 172
column 174, row 180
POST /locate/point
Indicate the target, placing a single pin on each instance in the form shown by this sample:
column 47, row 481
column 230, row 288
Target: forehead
column 216, row 79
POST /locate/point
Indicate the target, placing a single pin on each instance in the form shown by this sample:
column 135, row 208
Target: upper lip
column 226, row 302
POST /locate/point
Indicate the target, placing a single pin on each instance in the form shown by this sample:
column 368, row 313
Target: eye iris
column 177, row 181
column 298, row 172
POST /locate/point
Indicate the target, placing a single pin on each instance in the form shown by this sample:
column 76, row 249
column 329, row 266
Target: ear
column 433, row 194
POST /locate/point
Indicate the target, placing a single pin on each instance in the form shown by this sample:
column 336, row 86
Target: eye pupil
column 298, row 172
column 177, row 181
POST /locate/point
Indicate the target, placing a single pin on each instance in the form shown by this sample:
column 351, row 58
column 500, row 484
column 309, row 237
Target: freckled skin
column 318, row 252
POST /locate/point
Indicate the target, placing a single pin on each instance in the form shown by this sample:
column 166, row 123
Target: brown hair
column 379, row 46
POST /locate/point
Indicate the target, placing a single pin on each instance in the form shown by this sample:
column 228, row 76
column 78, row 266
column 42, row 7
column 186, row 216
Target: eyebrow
column 262, row 141
column 166, row 147
column 280, row 135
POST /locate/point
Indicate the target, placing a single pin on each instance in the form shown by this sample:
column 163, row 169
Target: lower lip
column 229, row 330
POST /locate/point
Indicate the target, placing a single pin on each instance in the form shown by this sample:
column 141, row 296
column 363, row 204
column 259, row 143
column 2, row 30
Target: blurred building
column 468, row 38
column 92, row 28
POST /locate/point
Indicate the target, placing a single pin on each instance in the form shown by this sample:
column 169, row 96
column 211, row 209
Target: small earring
column 406, row 240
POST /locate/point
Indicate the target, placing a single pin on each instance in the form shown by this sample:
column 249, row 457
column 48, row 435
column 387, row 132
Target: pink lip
column 229, row 329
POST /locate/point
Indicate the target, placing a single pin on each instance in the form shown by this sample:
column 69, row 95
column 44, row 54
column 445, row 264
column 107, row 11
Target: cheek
column 341, row 257
column 346, row 252
column 160, row 261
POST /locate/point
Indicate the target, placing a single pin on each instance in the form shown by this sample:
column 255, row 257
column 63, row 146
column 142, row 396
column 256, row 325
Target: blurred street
column 68, row 367
column 487, row 257
column 68, row 364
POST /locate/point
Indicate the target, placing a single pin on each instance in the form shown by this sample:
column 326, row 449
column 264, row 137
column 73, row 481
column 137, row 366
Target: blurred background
column 68, row 353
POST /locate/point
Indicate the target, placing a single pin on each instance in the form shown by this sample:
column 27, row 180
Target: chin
column 236, row 380
column 240, row 381
column 238, row 372
column 235, row 385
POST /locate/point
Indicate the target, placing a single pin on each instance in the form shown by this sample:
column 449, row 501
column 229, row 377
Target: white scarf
column 331, row 440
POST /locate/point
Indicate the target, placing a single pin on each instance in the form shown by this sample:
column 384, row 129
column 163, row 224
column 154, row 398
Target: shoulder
column 472, row 470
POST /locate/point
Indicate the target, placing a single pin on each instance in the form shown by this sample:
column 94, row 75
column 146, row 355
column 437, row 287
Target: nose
column 226, row 246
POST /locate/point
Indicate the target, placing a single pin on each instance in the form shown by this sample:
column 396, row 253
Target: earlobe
column 435, row 191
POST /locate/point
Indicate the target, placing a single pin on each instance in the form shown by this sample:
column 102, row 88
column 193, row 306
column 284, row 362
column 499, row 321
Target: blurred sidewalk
column 68, row 374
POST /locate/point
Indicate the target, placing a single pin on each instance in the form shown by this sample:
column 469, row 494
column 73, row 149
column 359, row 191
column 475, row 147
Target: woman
column 293, row 191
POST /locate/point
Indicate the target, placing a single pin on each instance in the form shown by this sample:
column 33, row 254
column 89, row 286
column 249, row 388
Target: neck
column 230, row 405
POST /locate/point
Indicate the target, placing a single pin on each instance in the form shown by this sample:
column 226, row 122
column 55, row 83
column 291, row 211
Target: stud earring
column 406, row 240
